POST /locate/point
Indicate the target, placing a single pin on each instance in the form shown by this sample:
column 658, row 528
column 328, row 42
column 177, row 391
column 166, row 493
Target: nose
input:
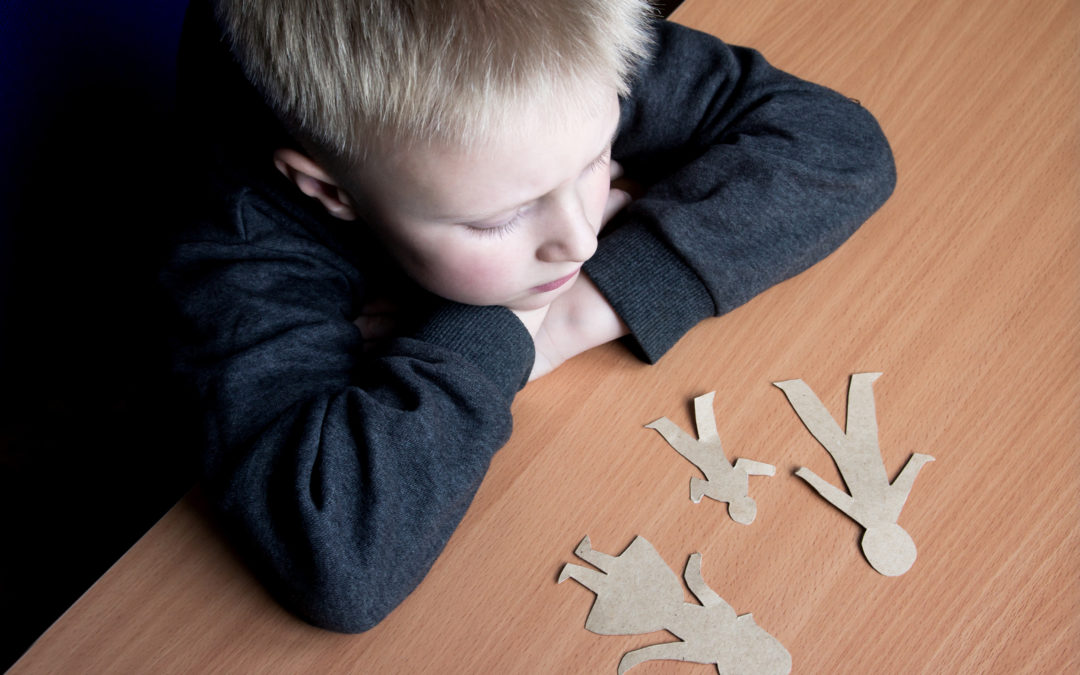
column 567, row 236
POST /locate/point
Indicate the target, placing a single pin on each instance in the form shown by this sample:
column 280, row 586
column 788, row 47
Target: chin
column 537, row 301
column 527, row 305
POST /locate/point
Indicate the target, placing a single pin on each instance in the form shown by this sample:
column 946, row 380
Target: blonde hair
column 340, row 73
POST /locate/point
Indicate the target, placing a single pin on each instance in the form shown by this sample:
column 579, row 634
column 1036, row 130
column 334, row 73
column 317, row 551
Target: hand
column 378, row 322
column 532, row 318
column 578, row 320
column 622, row 193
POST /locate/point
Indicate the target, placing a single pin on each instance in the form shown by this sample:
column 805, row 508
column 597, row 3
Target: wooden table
column 964, row 291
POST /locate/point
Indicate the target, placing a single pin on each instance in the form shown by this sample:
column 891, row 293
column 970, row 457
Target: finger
column 381, row 305
column 376, row 327
column 616, row 170
column 617, row 199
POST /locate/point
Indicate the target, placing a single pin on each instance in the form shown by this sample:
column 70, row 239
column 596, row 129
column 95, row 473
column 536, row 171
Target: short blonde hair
column 340, row 73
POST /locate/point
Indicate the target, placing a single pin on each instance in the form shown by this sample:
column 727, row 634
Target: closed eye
column 600, row 162
column 498, row 230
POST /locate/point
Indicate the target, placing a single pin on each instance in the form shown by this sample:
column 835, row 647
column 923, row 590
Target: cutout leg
column 861, row 424
column 698, row 452
column 704, row 418
column 813, row 414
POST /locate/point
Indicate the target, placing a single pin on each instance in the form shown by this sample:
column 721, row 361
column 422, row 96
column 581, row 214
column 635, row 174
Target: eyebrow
column 511, row 209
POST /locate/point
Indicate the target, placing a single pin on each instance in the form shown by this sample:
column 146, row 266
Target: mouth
column 558, row 283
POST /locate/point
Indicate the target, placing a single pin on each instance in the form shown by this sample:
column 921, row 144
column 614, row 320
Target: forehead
column 533, row 153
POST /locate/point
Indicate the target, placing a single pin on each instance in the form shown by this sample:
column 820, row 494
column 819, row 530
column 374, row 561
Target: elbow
column 875, row 157
column 334, row 594
column 359, row 619
column 342, row 622
column 344, row 608
column 882, row 172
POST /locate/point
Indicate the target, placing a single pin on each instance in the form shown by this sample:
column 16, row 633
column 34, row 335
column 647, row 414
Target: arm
column 696, row 583
column 830, row 492
column 752, row 176
column 340, row 476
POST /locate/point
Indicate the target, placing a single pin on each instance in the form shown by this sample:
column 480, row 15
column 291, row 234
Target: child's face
column 509, row 223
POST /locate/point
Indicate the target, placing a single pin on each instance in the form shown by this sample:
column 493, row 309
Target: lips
column 552, row 285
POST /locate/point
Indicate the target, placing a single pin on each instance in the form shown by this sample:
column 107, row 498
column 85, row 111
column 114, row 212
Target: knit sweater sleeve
column 340, row 476
column 752, row 176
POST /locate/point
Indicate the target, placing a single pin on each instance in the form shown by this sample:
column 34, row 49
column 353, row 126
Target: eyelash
column 500, row 231
column 497, row 231
column 600, row 162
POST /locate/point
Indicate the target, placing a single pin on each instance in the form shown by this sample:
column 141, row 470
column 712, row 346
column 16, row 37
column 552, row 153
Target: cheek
column 472, row 272
column 597, row 189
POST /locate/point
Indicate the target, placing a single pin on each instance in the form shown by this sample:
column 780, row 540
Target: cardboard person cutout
column 873, row 502
column 636, row 592
column 723, row 482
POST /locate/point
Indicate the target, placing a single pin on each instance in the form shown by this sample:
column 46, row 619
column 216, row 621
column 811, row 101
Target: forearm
column 343, row 501
column 752, row 175
column 339, row 475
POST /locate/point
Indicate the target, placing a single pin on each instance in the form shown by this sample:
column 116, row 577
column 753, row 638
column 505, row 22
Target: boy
column 456, row 157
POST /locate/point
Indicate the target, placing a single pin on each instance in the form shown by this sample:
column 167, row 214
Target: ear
column 315, row 182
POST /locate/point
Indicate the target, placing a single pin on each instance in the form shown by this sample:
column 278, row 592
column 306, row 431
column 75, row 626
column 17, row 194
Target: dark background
column 90, row 456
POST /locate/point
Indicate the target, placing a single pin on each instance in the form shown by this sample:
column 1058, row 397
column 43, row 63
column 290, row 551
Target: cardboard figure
column 723, row 482
column 636, row 592
column 874, row 503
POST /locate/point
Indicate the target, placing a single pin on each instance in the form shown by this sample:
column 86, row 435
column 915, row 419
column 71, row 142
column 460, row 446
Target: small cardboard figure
column 723, row 482
column 636, row 592
column 874, row 503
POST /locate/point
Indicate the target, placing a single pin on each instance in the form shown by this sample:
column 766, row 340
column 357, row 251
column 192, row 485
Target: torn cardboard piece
column 873, row 502
column 723, row 482
column 636, row 592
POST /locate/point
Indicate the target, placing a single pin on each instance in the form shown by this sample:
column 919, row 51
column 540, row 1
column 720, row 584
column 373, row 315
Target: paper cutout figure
column 636, row 592
column 874, row 503
column 723, row 482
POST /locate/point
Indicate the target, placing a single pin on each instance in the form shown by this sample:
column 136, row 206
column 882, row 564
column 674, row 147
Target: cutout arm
column 901, row 487
column 755, row 468
column 696, row 583
column 596, row 558
column 589, row 578
column 665, row 651
column 834, row 496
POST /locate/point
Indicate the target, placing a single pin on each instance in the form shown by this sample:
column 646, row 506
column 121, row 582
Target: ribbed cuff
column 651, row 289
column 492, row 338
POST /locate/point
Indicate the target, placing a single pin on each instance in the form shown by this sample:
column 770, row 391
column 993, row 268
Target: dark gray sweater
column 340, row 475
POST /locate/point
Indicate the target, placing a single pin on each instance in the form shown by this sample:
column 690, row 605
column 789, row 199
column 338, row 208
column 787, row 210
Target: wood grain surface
column 964, row 290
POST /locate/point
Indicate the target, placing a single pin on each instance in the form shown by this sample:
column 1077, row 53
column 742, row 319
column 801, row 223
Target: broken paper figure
column 873, row 502
column 723, row 482
column 636, row 592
